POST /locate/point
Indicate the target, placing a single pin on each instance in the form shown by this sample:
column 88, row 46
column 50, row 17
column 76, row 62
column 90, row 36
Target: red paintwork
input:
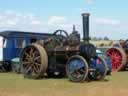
column 115, row 58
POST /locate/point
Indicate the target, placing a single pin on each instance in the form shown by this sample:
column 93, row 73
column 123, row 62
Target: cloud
column 90, row 2
column 83, row 10
column 8, row 18
column 9, row 12
column 36, row 22
column 113, row 28
column 11, row 20
column 60, row 22
column 106, row 21
column 57, row 20
column 5, row 21
column 1, row 17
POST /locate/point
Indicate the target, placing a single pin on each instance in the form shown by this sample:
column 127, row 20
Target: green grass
column 15, row 85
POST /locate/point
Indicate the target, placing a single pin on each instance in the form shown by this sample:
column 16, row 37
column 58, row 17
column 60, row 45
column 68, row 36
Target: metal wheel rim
column 101, row 69
column 78, row 72
column 31, row 63
column 117, row 58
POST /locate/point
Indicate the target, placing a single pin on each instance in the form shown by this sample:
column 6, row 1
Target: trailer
column 12, row 42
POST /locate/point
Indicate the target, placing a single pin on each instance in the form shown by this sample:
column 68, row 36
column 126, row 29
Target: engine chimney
column 85, row 17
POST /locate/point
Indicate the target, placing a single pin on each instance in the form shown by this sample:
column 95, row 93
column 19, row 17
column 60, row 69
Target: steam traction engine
column 118, row 55
column 63, row 54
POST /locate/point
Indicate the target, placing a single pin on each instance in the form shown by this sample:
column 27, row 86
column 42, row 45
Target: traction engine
column 64, row 54
column 118, row 55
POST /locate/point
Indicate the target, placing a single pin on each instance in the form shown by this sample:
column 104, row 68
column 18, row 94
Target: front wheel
column 100, row 69
column 77, row 68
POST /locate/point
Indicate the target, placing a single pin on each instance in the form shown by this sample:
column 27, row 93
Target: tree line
column 99, row 38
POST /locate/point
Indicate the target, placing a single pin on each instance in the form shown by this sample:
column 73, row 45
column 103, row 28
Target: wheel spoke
column 27, row 55
column 26, row 58
column 34, row 69
column 108, row 54
column 37, row 58
column 25, row 63
column 31, row 50
column 37, row 68
column 82, row 70
column 35, row 54
column 28, row 69
column 38, row 64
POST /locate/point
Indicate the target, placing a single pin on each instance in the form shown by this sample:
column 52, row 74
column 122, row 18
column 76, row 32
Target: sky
column 107, row 17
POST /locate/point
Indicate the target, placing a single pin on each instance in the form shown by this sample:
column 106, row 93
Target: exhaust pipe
column 85, row 17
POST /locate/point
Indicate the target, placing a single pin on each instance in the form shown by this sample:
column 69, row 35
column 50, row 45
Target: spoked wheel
column 34, row 61
column 77, row 69
column 117, row 57
column 100, row 69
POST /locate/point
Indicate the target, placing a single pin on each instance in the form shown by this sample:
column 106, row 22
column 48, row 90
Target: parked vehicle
column 64, row 54
column 118, row 54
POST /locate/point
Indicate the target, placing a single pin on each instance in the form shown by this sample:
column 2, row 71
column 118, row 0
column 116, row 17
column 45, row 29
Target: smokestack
column 85, row 17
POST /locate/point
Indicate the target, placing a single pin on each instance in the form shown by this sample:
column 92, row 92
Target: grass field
column 15, row 85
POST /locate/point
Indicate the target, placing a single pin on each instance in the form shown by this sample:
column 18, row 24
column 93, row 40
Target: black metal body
column 59, row 54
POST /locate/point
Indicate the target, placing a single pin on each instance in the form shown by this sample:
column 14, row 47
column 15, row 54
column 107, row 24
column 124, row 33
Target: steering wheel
column 60, row 36
column 61, row 33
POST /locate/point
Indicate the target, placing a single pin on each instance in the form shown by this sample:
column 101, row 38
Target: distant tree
column 100, row 38
column 97, row 38
column 94, row 38
column 106, row 38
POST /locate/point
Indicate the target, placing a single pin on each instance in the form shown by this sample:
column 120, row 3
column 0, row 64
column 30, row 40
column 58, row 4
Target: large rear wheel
column 34, row 61
column 117, row 57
